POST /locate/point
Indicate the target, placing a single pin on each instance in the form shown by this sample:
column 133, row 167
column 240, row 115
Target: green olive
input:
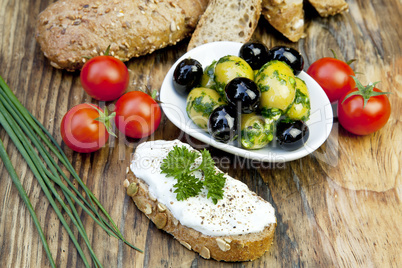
column 229, row 67
column 255, row 132
column 300, row 109
column 200, row 104
column 277, row 84
column 208, row 77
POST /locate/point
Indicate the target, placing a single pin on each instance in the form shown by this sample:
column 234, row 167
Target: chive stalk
column 36, row 145
column 14, row 177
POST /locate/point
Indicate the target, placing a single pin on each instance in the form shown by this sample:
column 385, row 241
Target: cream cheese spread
column 240, row 211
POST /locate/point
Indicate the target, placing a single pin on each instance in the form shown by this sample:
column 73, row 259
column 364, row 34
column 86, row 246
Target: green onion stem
column 25, row 198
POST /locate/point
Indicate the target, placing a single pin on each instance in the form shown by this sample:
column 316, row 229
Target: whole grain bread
column 70, row 31
column 227, row 20
column 232, row 248
column 329, row 7
column 286, row 16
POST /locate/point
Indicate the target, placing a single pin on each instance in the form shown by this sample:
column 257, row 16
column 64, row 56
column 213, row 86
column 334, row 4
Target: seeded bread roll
column 232, row 248
column 329, row 7
column 287, row 16
column 240, row 227
column 70, row 31
column 227, row 20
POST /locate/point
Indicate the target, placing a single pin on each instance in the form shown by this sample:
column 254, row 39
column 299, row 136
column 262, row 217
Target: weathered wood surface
column 339, row 207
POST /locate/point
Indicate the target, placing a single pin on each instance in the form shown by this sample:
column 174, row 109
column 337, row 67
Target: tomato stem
column 365, row 91
column 349, row 62
column 107, row 51
column 106, row 119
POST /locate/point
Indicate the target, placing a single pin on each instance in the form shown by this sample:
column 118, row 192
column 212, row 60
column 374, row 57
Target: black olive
column 255, row 54
column 289, row 55
column 243, row 94
column 222, row 124
column 187, row 75
column 291, row 135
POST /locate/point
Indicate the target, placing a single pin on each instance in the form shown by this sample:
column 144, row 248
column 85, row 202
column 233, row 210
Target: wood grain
column 338, row 207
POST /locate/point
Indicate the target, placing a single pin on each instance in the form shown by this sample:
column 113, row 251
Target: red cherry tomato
column 362, row 119
column 137, row 114
column 333, row 76
column 104, row 78
column 80, row 131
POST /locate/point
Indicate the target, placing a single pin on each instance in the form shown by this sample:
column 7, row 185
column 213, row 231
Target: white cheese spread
column 240, row 211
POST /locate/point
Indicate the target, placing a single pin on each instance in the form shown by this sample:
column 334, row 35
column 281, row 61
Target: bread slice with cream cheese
column 240, row 227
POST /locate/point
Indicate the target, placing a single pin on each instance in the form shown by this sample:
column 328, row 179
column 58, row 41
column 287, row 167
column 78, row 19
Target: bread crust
column 287, row 16
column 222, row 248
column 329, row 7
column 70, row 31
column 231, row 20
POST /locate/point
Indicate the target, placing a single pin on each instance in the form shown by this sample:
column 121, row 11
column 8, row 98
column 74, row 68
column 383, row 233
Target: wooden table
column 339, row 206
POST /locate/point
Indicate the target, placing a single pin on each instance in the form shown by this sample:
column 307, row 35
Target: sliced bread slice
column 227, row 20
column 287, row 16
column 240, row 227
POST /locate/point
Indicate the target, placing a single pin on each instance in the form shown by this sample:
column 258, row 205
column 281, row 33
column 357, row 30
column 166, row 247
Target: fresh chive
column 48, row 139
column 25, row 198
column 6, row 122
column 17, row 120
column 53, row 145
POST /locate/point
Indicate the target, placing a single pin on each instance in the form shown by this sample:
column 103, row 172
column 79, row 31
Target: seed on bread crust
column 187, row 245
column 160, row 220
column 144, row 206
column 205, row 253
column 132, row 189
column 222, row 244
column 161, row 207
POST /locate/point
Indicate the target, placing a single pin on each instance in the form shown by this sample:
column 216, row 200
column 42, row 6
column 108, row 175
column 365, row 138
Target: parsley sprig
column 180, row 164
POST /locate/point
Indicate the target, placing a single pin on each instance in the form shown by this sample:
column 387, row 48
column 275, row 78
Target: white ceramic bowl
column 174, row 106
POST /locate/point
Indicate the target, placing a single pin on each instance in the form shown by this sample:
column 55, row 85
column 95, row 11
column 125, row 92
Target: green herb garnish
column 180, row 164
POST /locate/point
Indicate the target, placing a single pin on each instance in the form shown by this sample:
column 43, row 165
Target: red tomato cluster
column 85, row 128
column 361, row 110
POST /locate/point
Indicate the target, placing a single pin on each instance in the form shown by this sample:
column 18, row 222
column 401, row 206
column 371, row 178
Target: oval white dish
column 174, row 107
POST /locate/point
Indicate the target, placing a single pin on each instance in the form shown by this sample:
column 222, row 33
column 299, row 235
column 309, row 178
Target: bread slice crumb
column 228, row 20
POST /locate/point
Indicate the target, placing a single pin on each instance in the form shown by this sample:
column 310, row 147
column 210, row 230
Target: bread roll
column 68, row 32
